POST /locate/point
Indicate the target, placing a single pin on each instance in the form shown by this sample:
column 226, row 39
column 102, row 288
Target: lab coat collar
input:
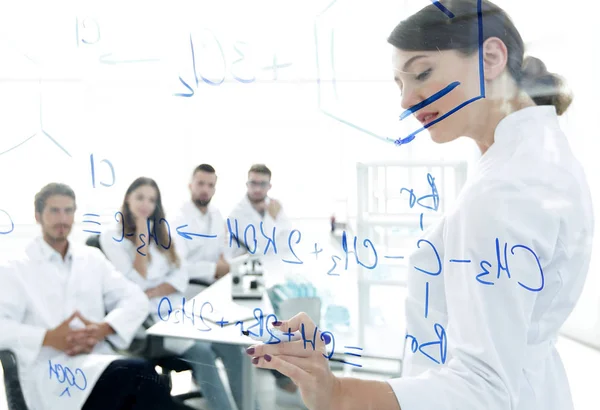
column 516, row 127
column 248, row 203
column 505, row 131
column 190, row 208
column 39, row 249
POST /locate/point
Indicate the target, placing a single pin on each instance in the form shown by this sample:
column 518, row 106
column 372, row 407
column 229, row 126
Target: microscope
column 248, row 281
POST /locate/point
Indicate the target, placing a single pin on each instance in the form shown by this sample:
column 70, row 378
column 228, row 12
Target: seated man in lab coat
column 204, row 259
column 54, row 300
column 257, row 208
column 203, row 256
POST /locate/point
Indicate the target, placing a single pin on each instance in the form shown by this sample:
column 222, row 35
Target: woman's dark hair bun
column 543, row 87
column 474, row 21
column 533, row 67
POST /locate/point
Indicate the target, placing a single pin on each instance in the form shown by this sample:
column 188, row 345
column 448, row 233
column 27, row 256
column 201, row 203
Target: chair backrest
column 12, row 385
column 94, row 241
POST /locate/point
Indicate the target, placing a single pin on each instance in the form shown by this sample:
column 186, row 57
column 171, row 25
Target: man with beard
column 203, row 256
column 257, row 217
column 61, row 303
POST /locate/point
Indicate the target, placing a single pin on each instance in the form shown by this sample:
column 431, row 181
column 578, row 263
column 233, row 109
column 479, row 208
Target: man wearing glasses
column 262, row 224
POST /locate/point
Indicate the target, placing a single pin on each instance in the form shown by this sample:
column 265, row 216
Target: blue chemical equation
column 93, row 169
column 502, row 261
column 483, row 275
column 257, row 329
column 434, row 198
column 238, row 65
column 431, row 349
column 250, row 242
column 4, row 215
column 87, row 32
column 146, row 239
column 63, row 375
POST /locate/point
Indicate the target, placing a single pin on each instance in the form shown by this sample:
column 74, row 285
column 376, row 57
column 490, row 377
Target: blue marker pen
column 275, row 333
column 284, row 337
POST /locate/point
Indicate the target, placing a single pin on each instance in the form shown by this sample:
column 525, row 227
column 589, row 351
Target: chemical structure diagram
column 325, row 45
column 41, row 130
column 87, row 33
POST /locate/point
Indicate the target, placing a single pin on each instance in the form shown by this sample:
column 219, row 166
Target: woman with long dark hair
column 492, row 283
column 141, row 247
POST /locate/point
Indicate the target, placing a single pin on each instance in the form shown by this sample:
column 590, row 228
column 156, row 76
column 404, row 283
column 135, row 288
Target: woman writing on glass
column 524, row 220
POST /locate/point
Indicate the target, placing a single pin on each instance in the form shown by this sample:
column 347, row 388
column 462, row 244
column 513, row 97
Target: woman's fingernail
column 250, row 350
column 326, row 339
column 255, row 360
column 277, row 323
column 267, row 358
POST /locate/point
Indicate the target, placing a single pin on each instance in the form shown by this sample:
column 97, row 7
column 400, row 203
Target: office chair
column 12, row 385
column 151, row 348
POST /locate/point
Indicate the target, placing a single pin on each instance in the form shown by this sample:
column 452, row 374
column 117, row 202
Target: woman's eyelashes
column 419, row 77
column 424, row 75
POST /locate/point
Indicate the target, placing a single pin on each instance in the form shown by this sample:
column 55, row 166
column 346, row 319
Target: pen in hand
column 273, row 335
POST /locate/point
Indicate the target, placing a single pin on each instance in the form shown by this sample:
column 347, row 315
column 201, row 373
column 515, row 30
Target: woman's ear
column 495, row 58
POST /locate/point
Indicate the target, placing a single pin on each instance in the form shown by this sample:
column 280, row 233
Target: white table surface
column 219, row 295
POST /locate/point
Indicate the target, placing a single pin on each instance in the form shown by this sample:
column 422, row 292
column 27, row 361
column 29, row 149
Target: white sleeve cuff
column 413, row 393
column 31, row 339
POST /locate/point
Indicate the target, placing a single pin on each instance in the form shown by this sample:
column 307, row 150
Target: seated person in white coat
column 204, row 257
column 254, row 209
column 141, row 247
column 60, row 302
column 257, row 208
column 491, row 284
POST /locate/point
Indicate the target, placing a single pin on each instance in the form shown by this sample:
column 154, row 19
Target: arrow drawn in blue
column 65, row 391
column 188, row 235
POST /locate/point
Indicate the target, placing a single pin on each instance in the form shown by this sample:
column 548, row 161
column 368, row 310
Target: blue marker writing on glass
column 274, row 333
column 282, row 336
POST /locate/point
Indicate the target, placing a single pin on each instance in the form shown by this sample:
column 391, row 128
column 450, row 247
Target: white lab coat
column 38, row 292
column 160, row 270
column 249, row 226
column 528, row 191
column 201, row 254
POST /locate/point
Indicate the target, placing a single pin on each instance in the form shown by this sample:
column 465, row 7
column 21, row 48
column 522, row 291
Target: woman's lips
column 427, row 117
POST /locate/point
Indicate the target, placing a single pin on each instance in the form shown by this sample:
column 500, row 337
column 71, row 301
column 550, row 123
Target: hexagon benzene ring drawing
column 422, row 104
